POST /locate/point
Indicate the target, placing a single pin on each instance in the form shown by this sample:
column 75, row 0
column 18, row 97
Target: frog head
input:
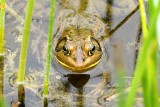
column 77, row 50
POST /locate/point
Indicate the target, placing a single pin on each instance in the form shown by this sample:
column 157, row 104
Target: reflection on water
column 68, row 89
column 78, row 80
column 45, row 102
column 21, row 95
column 21, row 98
column 80, row 98
column 1, row 78
column 1, row 74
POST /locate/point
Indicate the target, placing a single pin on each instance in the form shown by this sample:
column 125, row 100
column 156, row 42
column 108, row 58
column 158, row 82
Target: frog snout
column 79, row 55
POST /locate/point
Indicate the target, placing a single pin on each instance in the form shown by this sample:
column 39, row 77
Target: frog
column 78, row 42
column 76, row 48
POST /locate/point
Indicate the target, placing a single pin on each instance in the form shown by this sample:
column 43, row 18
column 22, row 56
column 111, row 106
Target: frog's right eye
column 65, row 50
column 61, row 43
column 91, row 51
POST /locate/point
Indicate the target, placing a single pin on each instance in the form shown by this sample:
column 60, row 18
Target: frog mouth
column 78, row 69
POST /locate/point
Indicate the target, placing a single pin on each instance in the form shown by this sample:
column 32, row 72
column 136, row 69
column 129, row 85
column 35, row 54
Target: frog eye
column 60, row 44
column 65, row 50
column 96, row 44
column 92, row 50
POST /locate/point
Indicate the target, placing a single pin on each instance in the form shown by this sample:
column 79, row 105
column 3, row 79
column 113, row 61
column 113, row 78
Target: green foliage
column 2, row 19
column 2, row 102
column 25, row 41
column 146, row 67
column 48, row 60
column 121, row 87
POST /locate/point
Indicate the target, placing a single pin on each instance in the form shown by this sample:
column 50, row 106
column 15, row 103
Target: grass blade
column 25, row 41
column 2, row 28
column 2, row 19
column 48, row 60
column 146, row 67
column 158, row 30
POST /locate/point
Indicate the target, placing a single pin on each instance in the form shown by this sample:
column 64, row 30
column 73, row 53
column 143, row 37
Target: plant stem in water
column 146, row 67
column 48, row 60
column 25, row 41
column 2, row 19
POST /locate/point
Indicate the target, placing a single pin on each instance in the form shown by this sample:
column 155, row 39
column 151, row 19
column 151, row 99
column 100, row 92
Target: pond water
column 68, row 89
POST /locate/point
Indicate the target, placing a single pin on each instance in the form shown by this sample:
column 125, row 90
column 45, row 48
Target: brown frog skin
column 77, row 50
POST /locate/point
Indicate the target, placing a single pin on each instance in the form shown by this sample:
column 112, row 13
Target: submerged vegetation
column 146, row 71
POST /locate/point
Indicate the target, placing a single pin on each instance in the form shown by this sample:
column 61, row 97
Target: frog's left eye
column 60, row 44
column 92, row 50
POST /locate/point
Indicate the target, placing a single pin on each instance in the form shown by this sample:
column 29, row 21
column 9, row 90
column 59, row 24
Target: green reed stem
column 25, row 41
column 152, row 7
column 146, row 67
column 48, row 60
column 121, row 87
column 141, row 58
column 158, row 30
column 143, row 18
column 2, row 19
column 2, row 102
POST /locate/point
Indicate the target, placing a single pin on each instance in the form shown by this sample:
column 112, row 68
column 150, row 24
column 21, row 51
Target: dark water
column 68, row 90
